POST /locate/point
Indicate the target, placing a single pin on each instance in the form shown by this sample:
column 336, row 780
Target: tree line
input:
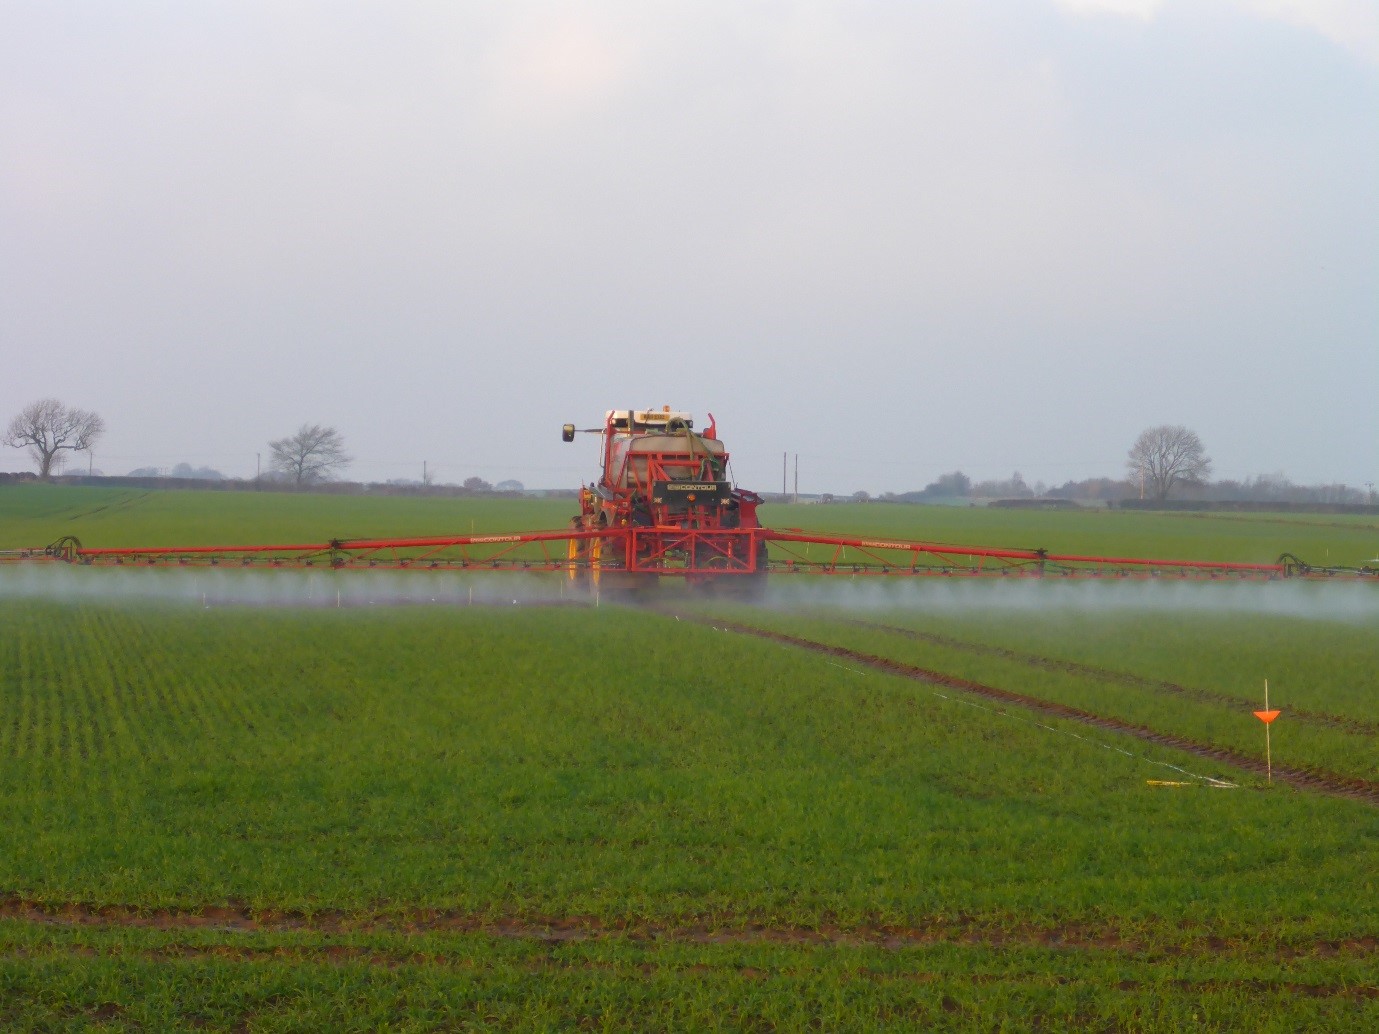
column 1162, row 459
column 49, row 430
column 314, row 454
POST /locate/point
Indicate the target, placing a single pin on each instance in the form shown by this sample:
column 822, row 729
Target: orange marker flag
column 1266, row 716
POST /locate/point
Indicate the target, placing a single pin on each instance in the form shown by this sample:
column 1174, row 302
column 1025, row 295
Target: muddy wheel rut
column 354, row 955
column 1123, row 678
column 726, row 930
column 1315, row 780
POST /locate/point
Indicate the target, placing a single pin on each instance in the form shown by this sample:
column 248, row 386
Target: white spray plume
column 1351, row 602
column 1348, row 601
column 283, row 588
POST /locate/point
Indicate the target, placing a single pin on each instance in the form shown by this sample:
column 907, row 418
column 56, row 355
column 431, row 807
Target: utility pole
column 258, row 457
column 795, row 497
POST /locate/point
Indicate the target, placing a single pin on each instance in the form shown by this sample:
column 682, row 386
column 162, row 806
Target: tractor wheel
column 628, row 589
column 754, row 585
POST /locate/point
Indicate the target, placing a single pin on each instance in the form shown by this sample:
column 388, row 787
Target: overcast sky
column 895, row 238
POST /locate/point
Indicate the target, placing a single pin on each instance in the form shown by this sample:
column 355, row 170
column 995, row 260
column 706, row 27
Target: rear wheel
column 745, row 587
column 625, row 588
column 754, row 584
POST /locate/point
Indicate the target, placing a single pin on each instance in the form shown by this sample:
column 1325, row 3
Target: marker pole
column 1268, row 747
column 1267, row 717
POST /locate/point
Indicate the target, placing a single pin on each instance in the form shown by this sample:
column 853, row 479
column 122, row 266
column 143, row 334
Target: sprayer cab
column 669, row 486
column 657, row 471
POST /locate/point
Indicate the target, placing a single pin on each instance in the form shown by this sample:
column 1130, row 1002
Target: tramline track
column 718, row 927
column 1349, row 724
column 1316, row 780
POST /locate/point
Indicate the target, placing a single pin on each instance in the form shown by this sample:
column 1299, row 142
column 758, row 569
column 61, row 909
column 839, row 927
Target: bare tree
column 47, row 427
column 1166, row 456
column 314, row 453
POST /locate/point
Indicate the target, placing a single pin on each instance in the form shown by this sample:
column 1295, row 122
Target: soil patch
column 556, row 930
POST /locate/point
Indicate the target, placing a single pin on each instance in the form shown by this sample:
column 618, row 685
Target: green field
column 35, row 515
column 443, row 816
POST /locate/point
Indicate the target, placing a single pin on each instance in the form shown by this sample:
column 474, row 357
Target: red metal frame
column 664, row 506
column 530, row 551
column 695, row 554
column 854, row 556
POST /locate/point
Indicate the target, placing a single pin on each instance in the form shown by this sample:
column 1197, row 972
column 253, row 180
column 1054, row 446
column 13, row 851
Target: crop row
column 1206, row 716
column 598, row 762
column 211, row 980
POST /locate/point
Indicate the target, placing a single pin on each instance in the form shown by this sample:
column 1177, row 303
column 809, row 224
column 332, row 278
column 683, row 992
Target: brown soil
column 350, row 955
column 556, row 930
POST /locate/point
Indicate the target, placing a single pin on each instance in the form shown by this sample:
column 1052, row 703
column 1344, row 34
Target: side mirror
column 567, row 433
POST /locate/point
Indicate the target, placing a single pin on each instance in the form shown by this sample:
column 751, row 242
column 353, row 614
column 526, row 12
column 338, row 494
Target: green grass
column 35, row 515
column 740, row 834
column 1312, row 664
column 416, row 758
column 190, row 980
column 1321, row 540
column 1199, row 677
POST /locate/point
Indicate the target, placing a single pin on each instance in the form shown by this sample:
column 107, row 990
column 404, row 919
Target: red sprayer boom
column 665, row 505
